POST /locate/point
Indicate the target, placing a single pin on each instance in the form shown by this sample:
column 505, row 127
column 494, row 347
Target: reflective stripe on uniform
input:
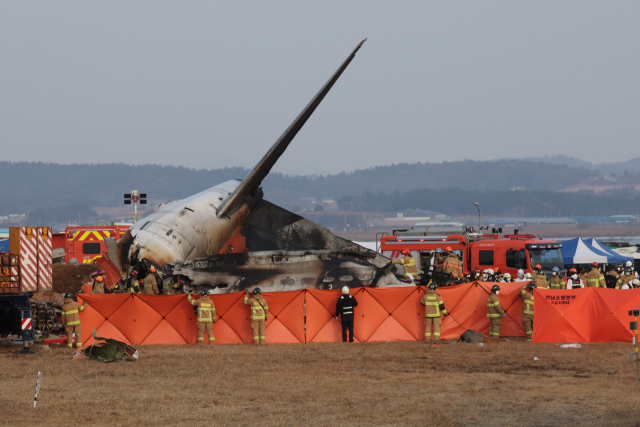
column 75, row 322
column 70, row 312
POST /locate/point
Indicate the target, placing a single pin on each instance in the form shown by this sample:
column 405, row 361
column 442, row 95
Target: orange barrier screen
column 584, row 315
column 382, row 314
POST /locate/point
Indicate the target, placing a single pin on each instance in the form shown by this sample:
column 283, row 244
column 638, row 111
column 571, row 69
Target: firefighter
column 178, row 287
column 629, row 264
column 574, row 281
column 71, row 319
column 158, row 275
column 409, row 265
column 536, row 268
column 477, row 275
column 625, row 278
column 521, row 277
column 150, row 285
column 495, row 312
column 556, row 282
column 498, row 274
column 541, row 280
column 583, row 275
column 206, row 315
column 98, row 285
column 116, row 289
column 438, row 266
column 132, row 285
column 344, row 308
column 433, row 309
column 611, row 277
column 527, row 311
column 467, row 276
column 594, row 278
column 506, row 278
column 452, row 265
column 487, row 275
column 259, row 313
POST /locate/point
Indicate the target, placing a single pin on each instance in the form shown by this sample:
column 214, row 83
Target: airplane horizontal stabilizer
column 255, row 177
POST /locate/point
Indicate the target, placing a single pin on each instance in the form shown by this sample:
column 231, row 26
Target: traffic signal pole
column 135, row 196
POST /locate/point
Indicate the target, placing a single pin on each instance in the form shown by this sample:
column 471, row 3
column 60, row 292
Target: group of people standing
column 155, row 283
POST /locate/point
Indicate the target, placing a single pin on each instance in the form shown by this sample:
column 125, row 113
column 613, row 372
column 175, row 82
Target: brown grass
column 374, row 384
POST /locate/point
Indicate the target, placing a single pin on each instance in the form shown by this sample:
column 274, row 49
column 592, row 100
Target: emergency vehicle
column 85, row 244
column 476, row 250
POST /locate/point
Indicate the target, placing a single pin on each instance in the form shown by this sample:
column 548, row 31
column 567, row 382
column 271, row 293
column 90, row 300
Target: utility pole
column 477, row 205
column 136, row 197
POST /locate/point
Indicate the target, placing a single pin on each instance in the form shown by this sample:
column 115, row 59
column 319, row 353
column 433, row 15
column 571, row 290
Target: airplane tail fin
column 250, row 184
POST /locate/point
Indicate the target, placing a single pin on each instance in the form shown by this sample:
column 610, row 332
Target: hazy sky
column 212, row 84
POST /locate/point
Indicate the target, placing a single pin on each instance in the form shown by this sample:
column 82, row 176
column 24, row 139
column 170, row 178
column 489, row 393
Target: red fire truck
column 476, row 250
column 86, row 243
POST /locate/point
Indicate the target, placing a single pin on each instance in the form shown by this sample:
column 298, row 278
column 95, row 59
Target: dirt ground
column 371, row 384
column 68, row 277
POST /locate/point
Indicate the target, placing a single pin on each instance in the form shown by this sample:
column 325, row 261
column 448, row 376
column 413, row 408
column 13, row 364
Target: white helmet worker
column 629, row 264
column 528, row 275
column 345, row 290
column 506, row 277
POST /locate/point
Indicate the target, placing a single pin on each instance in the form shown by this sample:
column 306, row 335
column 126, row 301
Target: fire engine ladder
column 73, row 231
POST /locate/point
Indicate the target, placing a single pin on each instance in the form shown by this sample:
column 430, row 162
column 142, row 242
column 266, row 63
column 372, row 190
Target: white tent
column 576, row 251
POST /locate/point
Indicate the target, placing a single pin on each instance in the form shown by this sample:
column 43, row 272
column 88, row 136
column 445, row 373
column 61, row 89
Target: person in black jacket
column 345, row 305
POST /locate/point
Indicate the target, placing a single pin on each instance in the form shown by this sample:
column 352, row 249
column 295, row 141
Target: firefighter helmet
column 68, row 295
column 204, row 292
column 256, row 291
column 498, row 270
column 134, row 272
column 438, row 251
column 406, row 251
column 520, row 273
column 532, row 286
column 595, row 264
column 99, row 279
column 573, row 270
column 345, row 290
column 152, row 269
column 556, row 269
column 466, row 272
column 448, row 249
column 432, row 286
column 538, row 267
column 506, row 277
column 495, row 288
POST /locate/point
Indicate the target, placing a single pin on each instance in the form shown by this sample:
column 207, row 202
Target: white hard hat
column 529, row 275
column 490, row 271
column 345, row 290
column 507, row 275
column 521, row 272
column 629, row 263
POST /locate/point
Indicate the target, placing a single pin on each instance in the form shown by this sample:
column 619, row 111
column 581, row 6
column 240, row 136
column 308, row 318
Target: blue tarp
column 4, row 245
column 612, row 257
column 577, row 251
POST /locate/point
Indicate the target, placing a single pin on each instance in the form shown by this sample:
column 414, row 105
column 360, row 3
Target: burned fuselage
column 274, row 271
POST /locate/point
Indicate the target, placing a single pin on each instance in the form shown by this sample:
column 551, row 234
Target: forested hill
column 29, row 185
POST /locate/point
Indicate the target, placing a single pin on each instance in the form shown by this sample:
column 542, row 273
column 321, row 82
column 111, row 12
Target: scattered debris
column 471, row 336
column 108, row 350
column 535, row 358
column 480, row 344
column 45, row 348
column 571, row 346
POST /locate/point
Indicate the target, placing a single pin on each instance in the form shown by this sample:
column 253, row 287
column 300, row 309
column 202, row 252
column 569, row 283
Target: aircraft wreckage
column 191, row 238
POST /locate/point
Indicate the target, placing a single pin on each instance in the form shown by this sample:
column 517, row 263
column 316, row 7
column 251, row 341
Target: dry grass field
column 372, row 384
